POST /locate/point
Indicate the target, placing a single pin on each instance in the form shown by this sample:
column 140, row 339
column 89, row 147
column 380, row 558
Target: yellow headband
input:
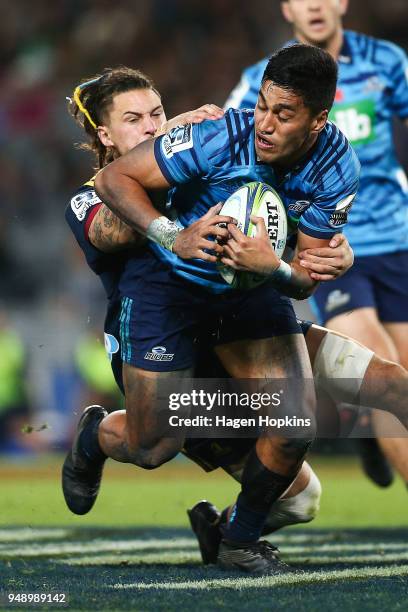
column 77, row 99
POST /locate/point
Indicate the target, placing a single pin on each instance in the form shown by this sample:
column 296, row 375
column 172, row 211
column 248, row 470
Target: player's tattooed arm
column 122, row 185
column 108, row 233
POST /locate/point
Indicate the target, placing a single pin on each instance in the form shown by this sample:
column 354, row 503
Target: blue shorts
column 376, row 281
column 164, row 318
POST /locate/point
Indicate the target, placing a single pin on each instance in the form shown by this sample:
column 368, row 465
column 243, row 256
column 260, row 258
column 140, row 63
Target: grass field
column 134, row 551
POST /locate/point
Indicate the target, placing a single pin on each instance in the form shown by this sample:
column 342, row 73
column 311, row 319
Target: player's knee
column 154, row 457
column 301, row 508
column 295, row 448
column 386, row 380
column 395, row 378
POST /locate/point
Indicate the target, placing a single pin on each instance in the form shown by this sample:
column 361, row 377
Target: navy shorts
column 207, row 366
column 112, row 340
column 162, row 322
column 377, row 281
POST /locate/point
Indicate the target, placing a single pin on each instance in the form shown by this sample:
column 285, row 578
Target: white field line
column 310, row 538
column 132, row 559
column 333, row 548
column 241, row 583
column 36, row 550
column 385, row 558
column 27, row 534
column 192, row 557
column 9, row 550
column 22, row 534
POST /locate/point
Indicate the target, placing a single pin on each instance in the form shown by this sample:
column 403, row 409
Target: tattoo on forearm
column 109, row 233
column 108, row 217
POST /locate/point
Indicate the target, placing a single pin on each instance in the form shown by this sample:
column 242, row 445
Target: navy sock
column 260, row 486
column 89, row 443
column 260, row 489
column 245, row 525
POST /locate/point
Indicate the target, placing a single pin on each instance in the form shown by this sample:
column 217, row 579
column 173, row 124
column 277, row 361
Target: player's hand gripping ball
column 260, row 200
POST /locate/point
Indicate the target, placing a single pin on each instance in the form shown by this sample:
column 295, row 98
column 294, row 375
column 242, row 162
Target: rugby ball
column 260, row 200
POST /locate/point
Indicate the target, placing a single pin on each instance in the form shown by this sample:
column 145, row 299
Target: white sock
column 301, row 508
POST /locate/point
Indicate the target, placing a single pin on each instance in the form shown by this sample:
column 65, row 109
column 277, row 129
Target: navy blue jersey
column 79, row 214
column 372, row 89
column 209, row 161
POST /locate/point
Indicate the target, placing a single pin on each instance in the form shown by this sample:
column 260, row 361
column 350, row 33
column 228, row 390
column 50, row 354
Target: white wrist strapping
column 164, row 232
column 283, row 273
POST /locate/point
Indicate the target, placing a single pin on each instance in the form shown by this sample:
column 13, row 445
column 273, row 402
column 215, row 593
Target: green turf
column 135, row 552
column 133, row 497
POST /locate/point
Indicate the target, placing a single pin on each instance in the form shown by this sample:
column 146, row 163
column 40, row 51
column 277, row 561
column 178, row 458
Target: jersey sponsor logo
column 299, row 207
column 82, row 202
column 111, row 345
column 336, row 299
column 178, row 139
column 159, row 353
column 340, row 215
column 294, row 212
column 357, row 121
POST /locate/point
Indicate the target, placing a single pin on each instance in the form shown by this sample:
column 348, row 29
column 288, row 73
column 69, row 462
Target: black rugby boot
column 205, row 522
column 253, row 558
column 81, row 476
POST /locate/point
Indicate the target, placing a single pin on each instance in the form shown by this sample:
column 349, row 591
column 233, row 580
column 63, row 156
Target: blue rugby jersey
column 209, row 161
column 372, row 88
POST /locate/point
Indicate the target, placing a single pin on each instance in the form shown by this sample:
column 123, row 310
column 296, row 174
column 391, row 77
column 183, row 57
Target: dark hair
column 95, row 96
column 307, row 71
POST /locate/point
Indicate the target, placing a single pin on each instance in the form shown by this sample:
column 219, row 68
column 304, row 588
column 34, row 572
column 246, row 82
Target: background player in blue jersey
column 168, row 294
column 370, row 303
column 105, row 241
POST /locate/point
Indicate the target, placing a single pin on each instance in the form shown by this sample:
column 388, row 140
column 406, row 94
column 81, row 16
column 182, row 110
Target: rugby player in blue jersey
column 370, row 303
column 174, row 286
column 129, row 110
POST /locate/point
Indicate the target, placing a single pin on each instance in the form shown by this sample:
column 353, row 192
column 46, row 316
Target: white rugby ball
column 260, row 200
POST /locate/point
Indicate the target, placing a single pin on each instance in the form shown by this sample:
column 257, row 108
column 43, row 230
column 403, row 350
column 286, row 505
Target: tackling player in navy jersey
column 370, row 303
column 168, row 294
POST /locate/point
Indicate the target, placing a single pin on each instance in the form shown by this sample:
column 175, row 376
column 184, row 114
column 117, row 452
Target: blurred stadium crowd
column 51, row 307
